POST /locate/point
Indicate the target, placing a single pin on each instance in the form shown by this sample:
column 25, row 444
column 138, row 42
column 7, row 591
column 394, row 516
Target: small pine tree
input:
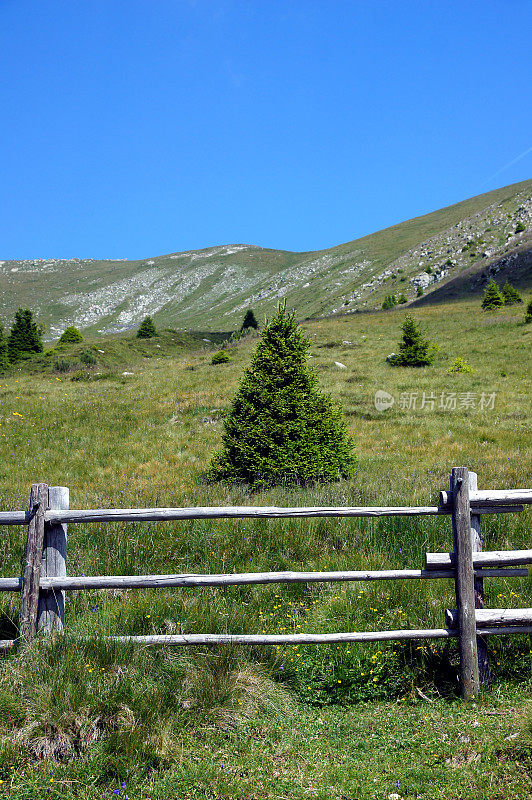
column 510, row 294
column 402, row 298
column 147, row 329
column 419, row 292
column 220, row 357
column 519, row 228
column 4, row 358
column 414, row 350
column 24, row 337
column 528, row 313
column 389, row 302
column 492, row 297
column 280, row 428
column 249, row 321
column 70, row 335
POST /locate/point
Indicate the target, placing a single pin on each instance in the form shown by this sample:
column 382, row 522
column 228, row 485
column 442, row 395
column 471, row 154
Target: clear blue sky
column 133, row 128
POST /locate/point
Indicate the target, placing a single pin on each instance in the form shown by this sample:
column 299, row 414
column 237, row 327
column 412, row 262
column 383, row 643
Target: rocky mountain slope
column 210, row 289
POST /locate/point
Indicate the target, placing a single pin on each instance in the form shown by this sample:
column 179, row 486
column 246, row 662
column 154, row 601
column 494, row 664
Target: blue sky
column 133, row 128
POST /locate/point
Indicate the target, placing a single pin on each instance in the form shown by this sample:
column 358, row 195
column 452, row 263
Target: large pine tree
column 24, row 337
column 280, row 428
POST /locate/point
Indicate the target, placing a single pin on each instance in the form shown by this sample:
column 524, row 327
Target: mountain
column 457, row 247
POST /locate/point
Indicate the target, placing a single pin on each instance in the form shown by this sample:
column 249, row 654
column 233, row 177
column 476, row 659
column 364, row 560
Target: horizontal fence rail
column 45, row 580
column 237, row 512
column 247, row 578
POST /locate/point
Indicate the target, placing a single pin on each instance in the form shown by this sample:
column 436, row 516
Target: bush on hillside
column 519, row 228
column 528, row 313
column 70, row 335
column 459, row 365
column 492, row 297
column 147, row 329
column 221, row 357
column 88, row 358
column 402, row 299
column 25, row 336
column 249, row 321
column 414, row 350
column 280, row 428
column 510, row 294
column 419, row 292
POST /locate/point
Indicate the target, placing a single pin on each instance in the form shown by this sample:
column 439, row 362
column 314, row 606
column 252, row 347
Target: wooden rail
column 45, row 580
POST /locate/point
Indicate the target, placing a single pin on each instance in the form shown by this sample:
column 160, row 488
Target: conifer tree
column 492, row 297
column 419, row 291
column 389, row 302
column 249, row 321
column 70, row 335
column 414, row 350
column 528, row 313
column 146, row 329
column 402, row 298
column 510, row 294
column 280, row 428
column 4, row 358
column 24, row 337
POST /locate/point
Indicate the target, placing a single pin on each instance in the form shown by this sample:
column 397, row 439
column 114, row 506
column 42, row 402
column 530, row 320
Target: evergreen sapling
column 492, row 297
column 146, row 329
column 414, row 350
column 510, row 294
column 249, row 321
column 280, row 428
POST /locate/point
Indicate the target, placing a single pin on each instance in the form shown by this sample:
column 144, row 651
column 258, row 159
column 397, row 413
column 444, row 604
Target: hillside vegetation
column 211, row 289
column 266, row 722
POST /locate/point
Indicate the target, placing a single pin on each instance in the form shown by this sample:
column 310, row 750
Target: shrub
column 459, row 365
column 147, row 329
column 88, row 358
column 402, row 298
column 414, row 350
column 70, row 335
column 25, row 336
column 280, row 428
column 528, row 313
column 510, row 294
column 389, row 302
column 519, row 228
column 249, row 321
column 419, row 291
column 221, row 357
column 492, row 297
column 61, row 365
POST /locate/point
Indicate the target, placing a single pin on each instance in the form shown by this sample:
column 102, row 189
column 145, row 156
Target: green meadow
column 136, row 424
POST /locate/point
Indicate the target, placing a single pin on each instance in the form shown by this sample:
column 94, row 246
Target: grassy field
column 329, row 722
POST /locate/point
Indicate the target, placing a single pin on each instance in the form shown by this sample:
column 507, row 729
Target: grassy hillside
column 210, row 289
column 329, row 722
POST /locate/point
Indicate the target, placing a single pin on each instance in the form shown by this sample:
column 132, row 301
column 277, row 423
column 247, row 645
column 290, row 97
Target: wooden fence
column 45, row 578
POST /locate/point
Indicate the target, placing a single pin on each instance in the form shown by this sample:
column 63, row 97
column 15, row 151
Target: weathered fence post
column 476, row 545
column 32, row 564
column 464, row 582
column 51, row 607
